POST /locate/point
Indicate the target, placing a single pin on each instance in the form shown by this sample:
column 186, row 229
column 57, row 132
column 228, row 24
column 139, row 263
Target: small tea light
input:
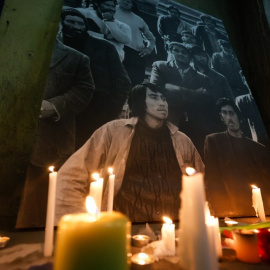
column 231, row 223
column 142, row 261
column 140, row 240
column 4, row 241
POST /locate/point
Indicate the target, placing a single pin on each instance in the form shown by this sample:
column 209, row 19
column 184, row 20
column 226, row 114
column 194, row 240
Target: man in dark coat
column 68, row 90
column 207, row 35
column 233, row 163
column 187, row 98
column 112, row 83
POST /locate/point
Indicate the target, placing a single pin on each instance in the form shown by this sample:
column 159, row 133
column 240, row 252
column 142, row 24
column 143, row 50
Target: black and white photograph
column 148, row 88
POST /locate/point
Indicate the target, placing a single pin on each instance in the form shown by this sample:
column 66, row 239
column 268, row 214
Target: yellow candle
column 111, row 190
column 89, row 241
column 49, row 229
column 96, row 189
column 257, row 203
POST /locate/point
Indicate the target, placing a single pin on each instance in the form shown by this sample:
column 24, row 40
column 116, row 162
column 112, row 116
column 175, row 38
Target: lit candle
column 140, row 240
column 142, row 261
column 246, row 246
column 48, row 243
column 194, row 249
column 96, row 189
column 168, row 237
column 93, row 241
column 257, row 203
column 111, row 190
column 212, row 225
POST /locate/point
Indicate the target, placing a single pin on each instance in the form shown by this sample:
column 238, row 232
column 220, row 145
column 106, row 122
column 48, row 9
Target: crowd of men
column 179, row 91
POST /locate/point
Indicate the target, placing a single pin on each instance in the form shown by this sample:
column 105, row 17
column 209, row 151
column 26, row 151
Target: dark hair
column 173, row 7
column 226, row 101
column 137, row 97
column 72, row 12
column 97, row 3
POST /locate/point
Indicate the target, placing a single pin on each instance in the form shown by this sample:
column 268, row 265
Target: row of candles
column 200, row 245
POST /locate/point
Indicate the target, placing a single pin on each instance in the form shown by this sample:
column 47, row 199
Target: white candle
column 213, row 232
column 257, row 203
column 194, row 249
column 49, row 229
column 111, row 190
column 96, row 189
column 168, row 236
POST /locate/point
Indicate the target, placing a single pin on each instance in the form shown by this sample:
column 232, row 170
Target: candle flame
column 95, row 176
column 254, row 187
column 91, row 206
column 51, row 168
column 231, row 222
column 141, row 258
column 110, row 170
column 256, row 231
column 190, row 171
column 167, row 220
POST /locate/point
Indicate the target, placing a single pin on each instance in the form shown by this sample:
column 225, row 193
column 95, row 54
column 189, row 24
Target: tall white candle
column 213, row 231
column 96, row 189
column 257, row 203
column 168, row 236
column 194, row 250
column 111, row 190
column 49, row 229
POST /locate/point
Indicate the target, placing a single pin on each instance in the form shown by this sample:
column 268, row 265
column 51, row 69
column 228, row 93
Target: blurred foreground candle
column 93, row 241
column 168, row 237
column 264, row 243
column 96, row 189
column 111, row 190
column 257, row 203
column 142, row 261
column 246, row 246
column 194, row 247
column 49, row 229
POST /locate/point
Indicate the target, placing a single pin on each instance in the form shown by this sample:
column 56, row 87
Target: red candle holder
column 264, row 243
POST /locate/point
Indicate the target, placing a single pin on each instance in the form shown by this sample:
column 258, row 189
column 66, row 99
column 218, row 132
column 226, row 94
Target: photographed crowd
column 148, row 99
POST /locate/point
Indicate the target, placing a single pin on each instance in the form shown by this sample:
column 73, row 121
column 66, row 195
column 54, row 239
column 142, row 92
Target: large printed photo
column 149, row 88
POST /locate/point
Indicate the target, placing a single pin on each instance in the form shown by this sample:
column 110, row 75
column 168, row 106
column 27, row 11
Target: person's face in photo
column 180, row 54
column 73, row 25
column 107, row 7
column 125, row 4
column 156, row 105
column 187, row 38
column 230, row 118
column 200, row 60
column 174, row 13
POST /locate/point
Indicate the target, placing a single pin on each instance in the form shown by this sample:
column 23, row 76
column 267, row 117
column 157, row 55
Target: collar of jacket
column 134, row 120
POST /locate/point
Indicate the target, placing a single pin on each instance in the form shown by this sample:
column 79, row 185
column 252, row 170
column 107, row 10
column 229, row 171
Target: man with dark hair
column 219, row 86
column 227, row 64
column 148, row 155
column 171, row 26
column 187, row 93
column 207, row 35
column 102, row 24
column 111, row 80
column 233, row 163
column 69, row 89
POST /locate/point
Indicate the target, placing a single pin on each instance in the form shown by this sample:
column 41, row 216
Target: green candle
column 93, row 242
